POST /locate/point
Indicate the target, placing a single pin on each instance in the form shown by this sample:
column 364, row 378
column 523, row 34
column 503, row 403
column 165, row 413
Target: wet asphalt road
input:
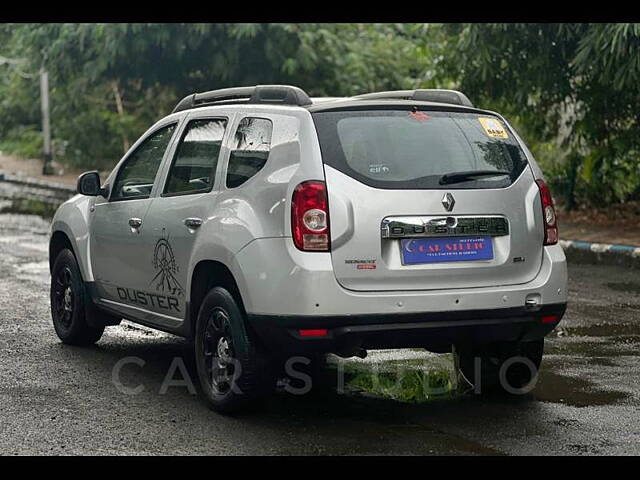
column 56, row 399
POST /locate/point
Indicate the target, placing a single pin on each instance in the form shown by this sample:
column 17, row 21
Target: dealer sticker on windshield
column 493, row 127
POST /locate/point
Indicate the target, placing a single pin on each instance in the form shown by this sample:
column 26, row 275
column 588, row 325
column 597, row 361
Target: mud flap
column 95, row 316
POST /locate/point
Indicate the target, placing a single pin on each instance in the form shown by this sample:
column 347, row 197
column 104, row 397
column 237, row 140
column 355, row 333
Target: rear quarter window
column 408, row 149
column 250, row 151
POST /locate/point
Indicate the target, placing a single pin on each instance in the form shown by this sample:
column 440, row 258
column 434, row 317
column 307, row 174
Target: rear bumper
column 276, row 279
column 435, row 331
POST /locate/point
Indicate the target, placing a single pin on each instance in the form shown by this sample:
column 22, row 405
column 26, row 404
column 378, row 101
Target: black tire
column 519, row 362
column 234, row 372
column 69, row 300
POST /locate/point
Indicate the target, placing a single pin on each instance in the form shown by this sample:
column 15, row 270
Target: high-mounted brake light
column 310, row 217
column 548, row 214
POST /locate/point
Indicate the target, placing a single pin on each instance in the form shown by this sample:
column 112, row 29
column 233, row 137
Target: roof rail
column 272, row 94
column 424, row 95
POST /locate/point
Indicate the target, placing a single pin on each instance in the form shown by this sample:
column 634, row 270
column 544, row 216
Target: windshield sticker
column 493, row 127
column 420, row 116
column 381, row 168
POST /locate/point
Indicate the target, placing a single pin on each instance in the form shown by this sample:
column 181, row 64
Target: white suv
column 263, row 223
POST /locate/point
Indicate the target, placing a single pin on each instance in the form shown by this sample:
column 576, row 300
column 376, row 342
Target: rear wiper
column 457, row 177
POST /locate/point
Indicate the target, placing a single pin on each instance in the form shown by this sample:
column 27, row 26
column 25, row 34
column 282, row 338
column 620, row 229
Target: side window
column 135, row 178
column 250, row 150
column 194, row 165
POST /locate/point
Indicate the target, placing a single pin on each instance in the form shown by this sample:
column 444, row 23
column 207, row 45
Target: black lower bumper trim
column 436, row 331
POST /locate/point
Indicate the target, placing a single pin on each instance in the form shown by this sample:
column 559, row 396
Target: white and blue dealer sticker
column 451, row 249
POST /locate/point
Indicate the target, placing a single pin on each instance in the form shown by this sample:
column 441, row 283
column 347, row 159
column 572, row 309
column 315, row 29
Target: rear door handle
column 135, row 223
column 193, row 222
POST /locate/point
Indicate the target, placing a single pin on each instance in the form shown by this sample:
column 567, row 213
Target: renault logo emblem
column 448, row 201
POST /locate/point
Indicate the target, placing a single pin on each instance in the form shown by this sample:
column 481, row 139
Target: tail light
column 548, row 214
column 549, row 319
column 310, row 217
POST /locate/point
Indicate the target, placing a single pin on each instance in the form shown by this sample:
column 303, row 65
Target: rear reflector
column 318, row 332
column 549, row 319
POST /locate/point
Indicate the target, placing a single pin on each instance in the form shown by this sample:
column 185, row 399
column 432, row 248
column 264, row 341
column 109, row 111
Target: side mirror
column 89, row 184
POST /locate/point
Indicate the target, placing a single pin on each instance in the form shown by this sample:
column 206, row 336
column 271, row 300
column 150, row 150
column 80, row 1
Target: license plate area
column 416, row 251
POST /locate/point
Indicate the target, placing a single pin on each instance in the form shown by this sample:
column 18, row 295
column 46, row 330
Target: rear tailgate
column 363, row 259
column 390, row 231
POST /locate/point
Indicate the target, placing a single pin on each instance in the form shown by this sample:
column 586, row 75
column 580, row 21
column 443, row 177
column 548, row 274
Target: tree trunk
column 570, row 193
column 120, row 110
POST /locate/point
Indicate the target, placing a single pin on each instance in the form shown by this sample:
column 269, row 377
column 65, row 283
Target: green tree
column 572, row 89
column 577, row 84
column 110, row 81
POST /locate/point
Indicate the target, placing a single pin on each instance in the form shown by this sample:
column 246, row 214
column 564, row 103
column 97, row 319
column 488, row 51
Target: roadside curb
column 36, row 183
column 23, row 190
column 601, row 253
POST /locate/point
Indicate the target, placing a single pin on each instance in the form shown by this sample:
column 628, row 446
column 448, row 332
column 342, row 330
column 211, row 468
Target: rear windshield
column 407, row 149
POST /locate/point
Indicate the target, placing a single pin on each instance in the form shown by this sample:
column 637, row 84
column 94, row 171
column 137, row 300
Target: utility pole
column 47, row 167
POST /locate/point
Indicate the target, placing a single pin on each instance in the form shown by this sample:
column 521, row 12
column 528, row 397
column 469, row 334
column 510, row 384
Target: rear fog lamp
column 549, row 319
column 317, row 332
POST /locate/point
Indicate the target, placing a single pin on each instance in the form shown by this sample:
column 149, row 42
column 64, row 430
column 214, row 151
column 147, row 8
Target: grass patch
column 405, row 383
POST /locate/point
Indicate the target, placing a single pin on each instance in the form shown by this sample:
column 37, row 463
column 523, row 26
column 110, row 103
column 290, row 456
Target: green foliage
column 571, row 89
column 22, row 140
column 406, row 384
column 109, row 82
column 576, row 87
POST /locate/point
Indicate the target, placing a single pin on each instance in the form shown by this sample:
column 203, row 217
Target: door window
column 135, row 178
column 194, row 165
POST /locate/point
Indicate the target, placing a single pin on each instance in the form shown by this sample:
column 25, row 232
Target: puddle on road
column 576, row 392
column 419, row 386
column 595, row 341
column 433, row 378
